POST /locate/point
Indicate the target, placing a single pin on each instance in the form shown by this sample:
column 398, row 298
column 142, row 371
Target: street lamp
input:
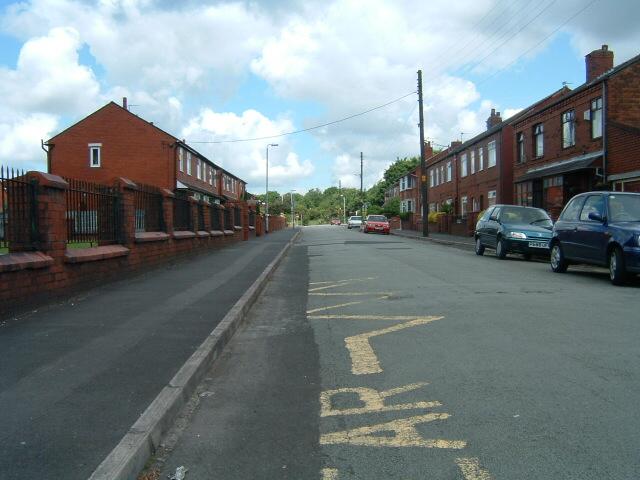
column 266, row 210
column 344, row 209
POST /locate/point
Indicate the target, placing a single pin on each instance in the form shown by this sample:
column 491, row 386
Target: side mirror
column 596, row 217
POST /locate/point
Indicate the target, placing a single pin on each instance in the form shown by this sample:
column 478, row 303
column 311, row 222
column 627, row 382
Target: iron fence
column 182, row 219
column 237, row 216
column 149, row 216
column 18, row 211
column 93, row 214
column 214, row 212
column 200, row 216
column 252, row 218
column 228, row 220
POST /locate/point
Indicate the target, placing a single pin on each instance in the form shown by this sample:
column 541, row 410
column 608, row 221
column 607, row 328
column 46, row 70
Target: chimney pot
column 124, row 103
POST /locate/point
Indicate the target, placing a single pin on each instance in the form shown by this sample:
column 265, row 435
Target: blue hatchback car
column 599, row 228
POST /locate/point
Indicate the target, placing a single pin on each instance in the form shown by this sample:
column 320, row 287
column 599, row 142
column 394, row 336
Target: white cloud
column 248, row 159
column 20, row 140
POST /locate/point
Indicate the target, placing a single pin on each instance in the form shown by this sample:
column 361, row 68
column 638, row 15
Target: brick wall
column 29, row 278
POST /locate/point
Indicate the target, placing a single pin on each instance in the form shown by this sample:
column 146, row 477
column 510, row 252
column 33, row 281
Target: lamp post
column 293, row 218
column 344, row 209
column 266, row 210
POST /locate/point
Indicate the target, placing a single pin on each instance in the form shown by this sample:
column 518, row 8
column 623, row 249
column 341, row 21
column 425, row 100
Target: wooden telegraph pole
column 423, row 165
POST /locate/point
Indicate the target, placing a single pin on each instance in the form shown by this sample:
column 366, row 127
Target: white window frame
column 473, row 161
column 491, row 198
column 198, row 169
column 568, row 128
column 188, row 163
column 95, row 147
column 463, row 206
column 538, row 140
column 432, row 177
column 480, row 158
column 596, row 118
column 491, row 150
column 449, row 172
column 181, row 159
column 463, row 165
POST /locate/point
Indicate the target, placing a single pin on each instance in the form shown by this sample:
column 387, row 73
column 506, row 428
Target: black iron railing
column 200, row 216
column 237, row 216
column 228, row 219
column 252, row 218
column 214, row 211
column 149, row 213
column 18, row 211
column 93, row 214
column 182, row 219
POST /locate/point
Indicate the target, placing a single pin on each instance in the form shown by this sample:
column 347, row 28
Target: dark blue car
column 599, row 228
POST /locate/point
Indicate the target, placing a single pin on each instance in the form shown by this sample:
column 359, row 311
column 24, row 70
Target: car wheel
column 558, row 262
column 501, row 249
column 617, row 270
column 479, row 247
column 527, row 257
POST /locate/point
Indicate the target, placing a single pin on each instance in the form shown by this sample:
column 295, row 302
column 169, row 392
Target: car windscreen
column 355, row 218
column 376, row 218
column 531, row 216
column 624, row 208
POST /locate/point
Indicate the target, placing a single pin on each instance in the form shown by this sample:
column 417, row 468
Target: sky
column 215, row 72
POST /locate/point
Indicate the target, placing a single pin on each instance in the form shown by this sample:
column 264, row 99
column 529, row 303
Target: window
column 474, row 203
column 449, row 172
column 431, row 178
column 572, row 210
column 180, row 160
column 410, row 205
column 538, row 140
column 403, row 184
column 94, row 154
column 442, row 180
column 480, row 159
column 188, row 163
column 433, row 207
column 552, row 182
column 437, row 176
column 520, row 157
column 473, row 162
column 491, row 148
column 198, row 169
column 211, row 176
column 463, row 206
column 524, row 194
column 593, row 204
column 596, row 118
column 568, row 129
column 463, row 165
column 491, row 197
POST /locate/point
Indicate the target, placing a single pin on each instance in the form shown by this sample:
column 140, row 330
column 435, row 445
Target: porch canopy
column 580, row 162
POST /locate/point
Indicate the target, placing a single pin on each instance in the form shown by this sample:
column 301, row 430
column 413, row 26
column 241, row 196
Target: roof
column 580, row 162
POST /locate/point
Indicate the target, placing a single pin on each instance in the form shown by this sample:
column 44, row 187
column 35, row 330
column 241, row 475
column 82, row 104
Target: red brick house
column 587, row 139
column 112, row 142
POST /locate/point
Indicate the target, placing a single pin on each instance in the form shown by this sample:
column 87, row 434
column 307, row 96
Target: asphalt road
column 75, row 376
column 376, row 357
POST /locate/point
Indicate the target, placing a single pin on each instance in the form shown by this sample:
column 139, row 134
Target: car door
column 591, row 234
column 492, row 228
column 567, row 226
column 481, row 227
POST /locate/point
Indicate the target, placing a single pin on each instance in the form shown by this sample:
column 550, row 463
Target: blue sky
column 221, row 71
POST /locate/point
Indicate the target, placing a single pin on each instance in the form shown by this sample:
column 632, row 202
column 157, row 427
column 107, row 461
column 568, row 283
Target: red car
column 376, row 223
column 335, row 221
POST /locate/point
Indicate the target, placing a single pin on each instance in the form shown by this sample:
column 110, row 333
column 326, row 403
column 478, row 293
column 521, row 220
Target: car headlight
column 516, row 235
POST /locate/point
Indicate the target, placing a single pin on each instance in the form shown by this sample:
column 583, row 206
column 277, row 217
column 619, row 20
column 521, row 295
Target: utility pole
column 423, row 164
column 361, row 183
column 361, row 161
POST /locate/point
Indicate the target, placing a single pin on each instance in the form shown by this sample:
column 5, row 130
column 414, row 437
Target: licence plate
column 539, row 244
column 379, row 228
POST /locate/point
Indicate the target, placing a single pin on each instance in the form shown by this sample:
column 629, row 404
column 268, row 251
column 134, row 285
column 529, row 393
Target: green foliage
column 447, row 208
column 392, row 207
column 404, row 215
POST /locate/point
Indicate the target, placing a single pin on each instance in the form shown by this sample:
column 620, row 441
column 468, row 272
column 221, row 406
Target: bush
column 434, row 216
column 447, row 208
column 405, row 215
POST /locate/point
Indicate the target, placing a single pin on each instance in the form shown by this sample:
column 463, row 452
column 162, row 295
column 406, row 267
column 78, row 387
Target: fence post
column 127, row 210
column 193, row 209
column 167, row 209
column 245, row 220
column 51, row 216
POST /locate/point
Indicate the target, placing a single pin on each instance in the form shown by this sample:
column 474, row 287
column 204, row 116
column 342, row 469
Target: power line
column 312, row 128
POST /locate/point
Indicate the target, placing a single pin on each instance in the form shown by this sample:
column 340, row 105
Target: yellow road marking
column 329, row 474
column 471, row 469
column 349, row 294
column 362, row 279
column 365, row 317
column 341, row 283
column 363, row 358
column 332, row 306
column 405, row 431
column 373, row 401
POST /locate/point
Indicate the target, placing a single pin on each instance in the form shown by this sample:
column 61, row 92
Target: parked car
column 599, row 228
column 513, row 229
column 336, row 221
column 376, row 223
column 354, row 222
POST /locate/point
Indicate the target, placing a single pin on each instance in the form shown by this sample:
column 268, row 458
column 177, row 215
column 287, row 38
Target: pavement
column 441, row 238
column 76, row 375
column 376, row 357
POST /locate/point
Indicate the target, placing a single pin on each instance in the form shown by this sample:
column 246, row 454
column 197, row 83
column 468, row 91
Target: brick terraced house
column 587, row 139
column 113, row 142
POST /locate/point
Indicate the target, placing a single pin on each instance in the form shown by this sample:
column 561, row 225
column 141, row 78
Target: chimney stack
column 428, row 150
column 494, row 119
column 455, row 143
column 124, row 103
column 598, row 62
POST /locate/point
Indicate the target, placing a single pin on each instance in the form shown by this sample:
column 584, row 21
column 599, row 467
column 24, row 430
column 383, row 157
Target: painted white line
column 363, row 359
column 341, row 283
column 349, row 294
column 405, row 434
column 471, row 469
column 403, row 318
column 373, row 401
column 362, row 279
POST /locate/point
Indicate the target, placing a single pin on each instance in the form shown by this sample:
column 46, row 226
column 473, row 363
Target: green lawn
column 82, row 245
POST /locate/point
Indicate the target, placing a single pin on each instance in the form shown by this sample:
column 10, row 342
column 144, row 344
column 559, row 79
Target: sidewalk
column 442, row 238
column 75, row 376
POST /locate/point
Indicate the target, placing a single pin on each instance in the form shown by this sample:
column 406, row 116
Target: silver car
column 354, row 222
